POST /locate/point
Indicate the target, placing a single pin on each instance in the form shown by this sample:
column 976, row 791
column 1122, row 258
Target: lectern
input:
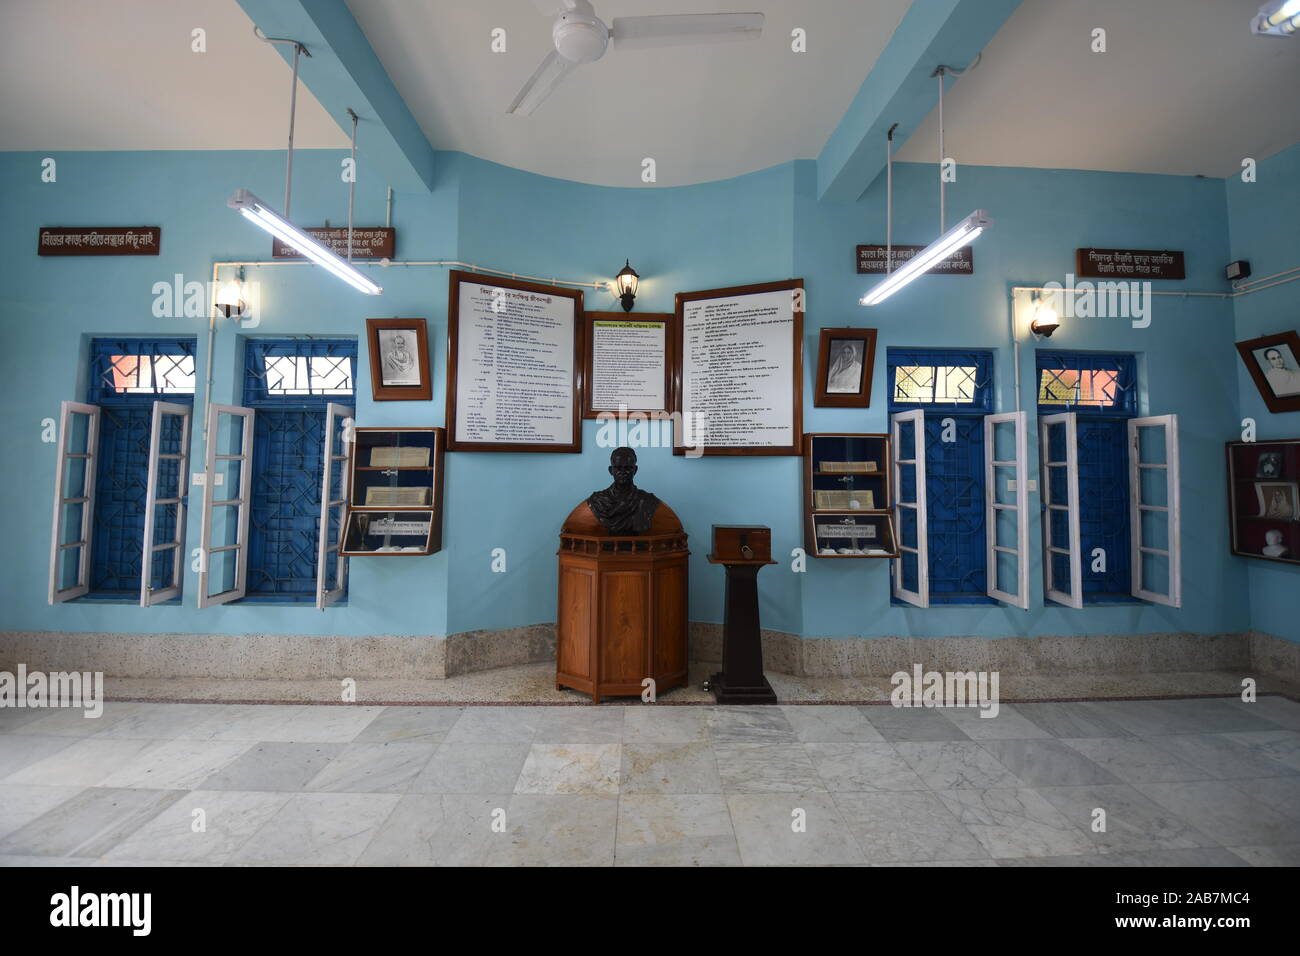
column 743, row 550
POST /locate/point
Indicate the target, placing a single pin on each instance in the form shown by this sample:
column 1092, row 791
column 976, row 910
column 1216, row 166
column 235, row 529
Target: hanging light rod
column 962, row 234
column 258, row 212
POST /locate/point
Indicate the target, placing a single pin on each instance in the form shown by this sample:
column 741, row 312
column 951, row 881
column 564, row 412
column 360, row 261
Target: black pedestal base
column 725, row 693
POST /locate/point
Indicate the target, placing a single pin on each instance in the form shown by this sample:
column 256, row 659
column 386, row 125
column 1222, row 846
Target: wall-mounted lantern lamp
column 627, row 281
column 1045, row 319
column 230, row 296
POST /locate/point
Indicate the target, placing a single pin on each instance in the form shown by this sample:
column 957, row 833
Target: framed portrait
column 1274, row 364
column 1278, row 500
column 845, row 358
column 399, row 360
column 629, row 363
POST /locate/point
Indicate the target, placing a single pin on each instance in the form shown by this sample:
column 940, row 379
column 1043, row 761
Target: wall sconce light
column 627, row 281
column 230, row 296
column 1045, row 319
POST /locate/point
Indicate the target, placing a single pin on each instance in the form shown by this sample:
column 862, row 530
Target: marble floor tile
column 1282, row 746
column 251, row 722
column 425, row 725
column 1269, row 855
column 13, row 719
column 1280, row 793
column 1220, row 756
column 945, row 765
column 229, row 818
column 1133, row 822
column 766, row 832
column 276, row 767
column 1213, row 716
column 176, row 764
column 476, row 768
column 324, row 829
column 324, row 724
column 579, row 725
column 1009, row 724
column 1224, row 813
column 862, row 767
column 556, row 830
column 675, row 829
column 684, row 767
column 912, row 723
column 831, row 723
column 498, row 725
column 1134, row 760
column 750, row 724
column 84, row 764
column 570, row 769
column 90, row 823
column 1277, row 710
column 161, row 721
column 18, row 751
column 656, row 724
column 373, row 768
column 20, row 804
column 73, row 722
column 437, row 829
column 1015, row 823
column 1145, row 718
column 906, row 827
column 1071, row 720
column 945, row 863
column 1202, row 856
column 766, row 768
column 1047, row 763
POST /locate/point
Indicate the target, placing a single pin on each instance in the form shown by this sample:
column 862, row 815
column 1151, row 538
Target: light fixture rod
column 942, row 225
column 352, row 183
column 298, row 50
column 889, row 200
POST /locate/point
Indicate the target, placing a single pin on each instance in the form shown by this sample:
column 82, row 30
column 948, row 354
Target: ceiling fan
column 582, row 37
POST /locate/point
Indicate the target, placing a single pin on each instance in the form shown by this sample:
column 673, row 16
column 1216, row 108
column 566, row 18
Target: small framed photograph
column 845, row 358
column 399, row 360
column 1269, row 465
column 1274, row 364
column 1278, row 500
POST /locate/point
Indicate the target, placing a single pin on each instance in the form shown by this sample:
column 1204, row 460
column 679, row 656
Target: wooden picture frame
column 862, row 342
column 1254, row 352
column 406, row 377
column 1253, row 468
column 665, row 319
column 682, row 357
column 457, row 438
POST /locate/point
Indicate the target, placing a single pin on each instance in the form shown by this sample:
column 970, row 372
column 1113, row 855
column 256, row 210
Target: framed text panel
column 629, row 363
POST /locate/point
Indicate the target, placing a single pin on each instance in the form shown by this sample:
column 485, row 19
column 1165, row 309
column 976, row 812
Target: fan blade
column 539, row 86
column 639, row 33
column 552, row 8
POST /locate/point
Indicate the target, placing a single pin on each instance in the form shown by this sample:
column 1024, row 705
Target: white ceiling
column 119, row 74
column 701, row 112
column 1184, row 88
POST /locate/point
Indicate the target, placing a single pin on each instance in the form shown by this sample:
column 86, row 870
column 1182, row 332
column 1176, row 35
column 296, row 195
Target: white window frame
column 921, row 596
column 58, row 595
column 148, row 596
column 1173, row 509
column 1020, row 507
column 1071, row 463
column 335, row 415
column 210, row 501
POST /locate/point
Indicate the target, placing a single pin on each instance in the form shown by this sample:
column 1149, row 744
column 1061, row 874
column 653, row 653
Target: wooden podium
column 621, row 615
column 743, row 550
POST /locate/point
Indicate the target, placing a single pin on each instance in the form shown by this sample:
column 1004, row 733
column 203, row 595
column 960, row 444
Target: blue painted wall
column 1264, row 220
column 760, row 227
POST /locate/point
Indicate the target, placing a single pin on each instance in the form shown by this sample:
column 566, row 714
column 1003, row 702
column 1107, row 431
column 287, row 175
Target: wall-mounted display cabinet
column 1264, row 499
column 394, row 492
column 847, row 496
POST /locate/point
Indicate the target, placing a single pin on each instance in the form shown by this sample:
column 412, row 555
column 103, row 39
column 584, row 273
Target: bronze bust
column 623, row 508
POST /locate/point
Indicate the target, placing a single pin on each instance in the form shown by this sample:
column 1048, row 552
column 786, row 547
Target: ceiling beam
column 344, row 73
column 901, row 88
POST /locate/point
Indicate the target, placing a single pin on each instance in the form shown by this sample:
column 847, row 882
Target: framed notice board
column 514, row 365
column 738, row 381
column 629, row 363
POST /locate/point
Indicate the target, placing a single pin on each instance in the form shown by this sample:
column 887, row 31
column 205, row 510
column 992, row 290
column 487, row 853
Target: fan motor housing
column 579, row 37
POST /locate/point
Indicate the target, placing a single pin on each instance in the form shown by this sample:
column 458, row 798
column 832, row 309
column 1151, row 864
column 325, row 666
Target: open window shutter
column 74, row 501
column 1006, row 512
column 912, row 566
column 1154, row 514
column 223, row 568
column 162, row 569
column 1062, row 560
column 331, row 567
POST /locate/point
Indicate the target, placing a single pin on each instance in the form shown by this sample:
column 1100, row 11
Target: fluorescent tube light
column 964, row 233
column 256, row 211
column 1281, row 18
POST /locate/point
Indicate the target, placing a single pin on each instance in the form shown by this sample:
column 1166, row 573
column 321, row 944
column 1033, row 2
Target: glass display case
column 394, row 492
column 1264, row 499
column 847, row 496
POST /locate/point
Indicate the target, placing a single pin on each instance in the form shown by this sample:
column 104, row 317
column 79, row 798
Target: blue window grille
column 126, row 377
column 289, row 382
column 952, row 384
column 1101, row 388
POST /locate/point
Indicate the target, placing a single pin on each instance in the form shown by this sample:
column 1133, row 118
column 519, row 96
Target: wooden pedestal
column 741, row 680
column 622, row 610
